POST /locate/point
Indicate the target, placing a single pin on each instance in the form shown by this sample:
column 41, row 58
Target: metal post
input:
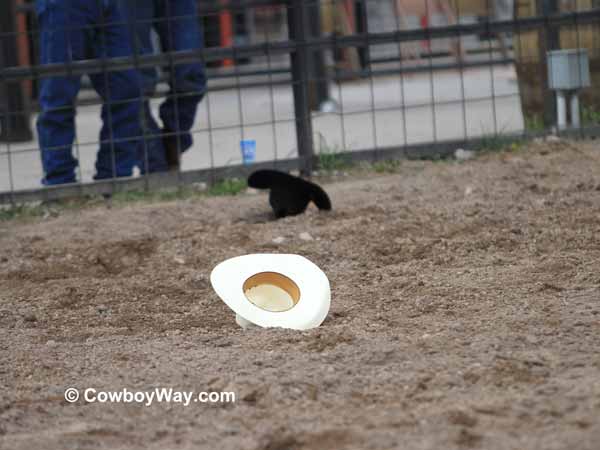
column 14, row 113
column 300, row 58
column 226, row 30
column 362, row 26
column 319, row 87
column 575, row 113
column 561, row 109
column 549, row 40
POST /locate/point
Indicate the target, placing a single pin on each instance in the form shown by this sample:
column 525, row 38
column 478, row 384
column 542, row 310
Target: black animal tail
column 320, row 197
column 266, row 179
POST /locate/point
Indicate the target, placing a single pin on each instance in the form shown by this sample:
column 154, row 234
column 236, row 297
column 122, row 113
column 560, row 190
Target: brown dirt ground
column 465, row 314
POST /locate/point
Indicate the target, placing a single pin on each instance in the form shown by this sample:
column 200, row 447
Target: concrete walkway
column 387, row 111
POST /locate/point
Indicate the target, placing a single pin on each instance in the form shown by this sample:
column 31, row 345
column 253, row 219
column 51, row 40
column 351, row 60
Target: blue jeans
column 72, row 30
column 178, row 27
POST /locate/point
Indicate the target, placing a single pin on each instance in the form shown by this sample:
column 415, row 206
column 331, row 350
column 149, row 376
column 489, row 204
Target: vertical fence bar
column 549, row 40
column 169, row 17
column 337, row 50
column 362, row 26
column 400, row 25
column 461, row 70
column 491, row 16
column 267, row 38
column 298, row 30
column 368, row 68
column 319, row 91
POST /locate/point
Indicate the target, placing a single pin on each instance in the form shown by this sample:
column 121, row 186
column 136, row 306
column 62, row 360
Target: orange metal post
column 350, row 14
column 226, row 28
column 23, row 44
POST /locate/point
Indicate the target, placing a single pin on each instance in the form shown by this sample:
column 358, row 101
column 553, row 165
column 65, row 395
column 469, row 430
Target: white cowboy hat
column 269, row 290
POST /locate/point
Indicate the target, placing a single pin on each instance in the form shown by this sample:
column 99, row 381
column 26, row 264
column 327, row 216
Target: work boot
column 172, row 152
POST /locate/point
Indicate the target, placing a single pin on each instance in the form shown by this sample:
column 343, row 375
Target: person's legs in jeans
column 141, row 16
column 56, row 122
column 122, row 94
column 70, row 31
column 179, row 29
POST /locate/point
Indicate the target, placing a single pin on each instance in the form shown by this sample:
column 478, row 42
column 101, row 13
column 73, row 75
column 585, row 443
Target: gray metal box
column 568, row 69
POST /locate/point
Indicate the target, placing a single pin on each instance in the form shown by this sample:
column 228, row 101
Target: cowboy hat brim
column 300, row 277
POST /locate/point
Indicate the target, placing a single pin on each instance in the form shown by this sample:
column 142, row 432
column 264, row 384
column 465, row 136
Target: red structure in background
column 14, row 96
column 226, row 30
column 23, row 42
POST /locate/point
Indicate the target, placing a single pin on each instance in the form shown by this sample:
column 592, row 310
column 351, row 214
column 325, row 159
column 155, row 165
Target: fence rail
column 299, row 85
column 287, row 47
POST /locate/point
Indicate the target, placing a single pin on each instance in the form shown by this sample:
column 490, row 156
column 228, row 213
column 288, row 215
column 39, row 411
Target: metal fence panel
column 363, row 80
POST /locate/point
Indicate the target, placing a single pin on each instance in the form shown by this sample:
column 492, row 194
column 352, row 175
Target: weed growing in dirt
column 330, row 162
column 163, row 195
column 33, row 210
column 590, row 116
column 330, row 158
column 50, row 208
column 389, row 166
column 496, row 143
column 232, row 186
column 534, row 123
column 20, row 211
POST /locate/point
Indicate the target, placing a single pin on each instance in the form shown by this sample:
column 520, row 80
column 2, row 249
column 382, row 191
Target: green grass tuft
column 11, row 212
column 331, row 159
column 230, row 186
column 387, row 166
column 163, row 195
column 534, row 123
column 496, row 143
column 590, row 116
column 330, row 162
